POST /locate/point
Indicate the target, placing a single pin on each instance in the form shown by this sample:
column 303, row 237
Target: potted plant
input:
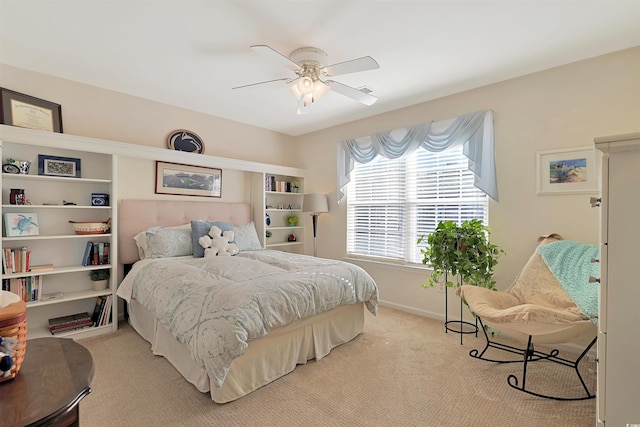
column 268, row 234
column 463, row 251
column 293, row 220
column 100, row 279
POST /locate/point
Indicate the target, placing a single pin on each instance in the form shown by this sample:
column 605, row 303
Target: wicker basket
column 91, row 227
column 13, row 324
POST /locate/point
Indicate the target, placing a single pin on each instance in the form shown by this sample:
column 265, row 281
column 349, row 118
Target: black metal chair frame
column 529, row 354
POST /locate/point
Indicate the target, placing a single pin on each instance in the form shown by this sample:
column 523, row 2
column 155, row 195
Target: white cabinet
column 619, row 316
column 56, row 242
column 273, row 206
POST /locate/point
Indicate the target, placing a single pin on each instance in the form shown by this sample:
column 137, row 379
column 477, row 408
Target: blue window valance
column 474, row 131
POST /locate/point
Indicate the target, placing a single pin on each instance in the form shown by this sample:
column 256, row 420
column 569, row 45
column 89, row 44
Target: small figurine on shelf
column 292, row 237
column 267, row 219
column 268, row 233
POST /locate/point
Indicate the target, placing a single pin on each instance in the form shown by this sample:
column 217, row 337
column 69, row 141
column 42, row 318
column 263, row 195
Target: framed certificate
column 18, row 109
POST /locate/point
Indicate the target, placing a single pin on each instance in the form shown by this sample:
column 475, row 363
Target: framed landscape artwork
column 566, row 171
column 174, row 178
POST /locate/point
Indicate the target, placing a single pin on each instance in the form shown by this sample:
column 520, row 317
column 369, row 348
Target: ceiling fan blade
column 286, row 80
column 275, row 56
column 353, row 66
column 352, row 93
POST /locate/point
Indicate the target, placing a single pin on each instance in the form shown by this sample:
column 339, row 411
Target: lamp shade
column 316, row 203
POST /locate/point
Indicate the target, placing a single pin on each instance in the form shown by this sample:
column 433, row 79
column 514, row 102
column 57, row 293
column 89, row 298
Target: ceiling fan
column 310, row 67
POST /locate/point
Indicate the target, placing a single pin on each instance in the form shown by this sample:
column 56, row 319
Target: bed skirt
column 266, row 358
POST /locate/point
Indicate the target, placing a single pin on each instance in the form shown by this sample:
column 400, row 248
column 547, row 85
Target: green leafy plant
column 293, row 220
column 268, row 234
column 461, row 251
column 96, row 275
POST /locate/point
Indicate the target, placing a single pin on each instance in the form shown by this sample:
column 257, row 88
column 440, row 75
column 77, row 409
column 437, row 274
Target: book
column 41, row 267
column 95, row 254
column 87, row 253
column 81, row 322
column 106, row 312
column 72, row 328
column 95, row 317
column 101, row 253
column 23, row 259
column 106, row 253
column 70, row 319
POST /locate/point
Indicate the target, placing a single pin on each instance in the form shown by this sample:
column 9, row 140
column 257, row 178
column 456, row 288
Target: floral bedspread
column 215, row 305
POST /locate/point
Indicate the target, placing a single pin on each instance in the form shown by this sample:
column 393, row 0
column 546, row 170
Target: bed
column 248, row 353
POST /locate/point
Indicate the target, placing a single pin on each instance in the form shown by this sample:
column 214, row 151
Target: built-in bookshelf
column 278, row 211
column 59, row 283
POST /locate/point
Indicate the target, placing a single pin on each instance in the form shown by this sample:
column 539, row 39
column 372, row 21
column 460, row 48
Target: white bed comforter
column 215, row 305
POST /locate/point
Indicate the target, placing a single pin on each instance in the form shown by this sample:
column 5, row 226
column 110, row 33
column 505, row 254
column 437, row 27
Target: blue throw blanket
column 570, row 262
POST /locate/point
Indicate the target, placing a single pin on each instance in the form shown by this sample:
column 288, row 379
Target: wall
column 563, row 107
column 558, row 108
column 98, row 113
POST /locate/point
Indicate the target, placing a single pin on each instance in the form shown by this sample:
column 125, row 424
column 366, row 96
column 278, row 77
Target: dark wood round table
column 55, row 375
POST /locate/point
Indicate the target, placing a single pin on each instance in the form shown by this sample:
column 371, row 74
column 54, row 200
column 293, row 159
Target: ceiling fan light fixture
column 320, row 89
column 305, row 85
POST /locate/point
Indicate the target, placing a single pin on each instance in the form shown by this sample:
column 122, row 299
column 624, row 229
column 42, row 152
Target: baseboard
column 568, row 347
column 412, row 310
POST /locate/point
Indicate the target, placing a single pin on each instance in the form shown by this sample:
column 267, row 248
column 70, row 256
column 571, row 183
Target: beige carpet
column 402, row 371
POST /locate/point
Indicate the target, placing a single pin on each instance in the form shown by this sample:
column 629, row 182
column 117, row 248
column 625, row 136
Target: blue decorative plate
column 185, row 140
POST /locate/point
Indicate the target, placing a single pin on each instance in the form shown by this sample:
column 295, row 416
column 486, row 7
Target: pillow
column 143, row 245
column 536, row 284
column 169, row 242
column 142, row 241
column 246, row 237
column 201, row 228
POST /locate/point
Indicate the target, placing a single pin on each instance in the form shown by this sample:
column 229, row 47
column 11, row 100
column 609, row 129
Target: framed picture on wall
column 18, row 109
column 567, row 171
column 175, row 178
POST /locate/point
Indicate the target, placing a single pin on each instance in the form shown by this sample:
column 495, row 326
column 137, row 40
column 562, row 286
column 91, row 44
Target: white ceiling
column 191, row 53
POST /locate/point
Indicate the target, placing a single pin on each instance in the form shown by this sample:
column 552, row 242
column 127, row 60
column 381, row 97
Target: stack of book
column 96, row 253
column 71, row 322
column 27, row 288
column 102, row 311
column 16, row 260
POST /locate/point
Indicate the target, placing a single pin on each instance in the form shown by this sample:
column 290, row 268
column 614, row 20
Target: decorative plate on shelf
column 185, row 140
column 10, row 168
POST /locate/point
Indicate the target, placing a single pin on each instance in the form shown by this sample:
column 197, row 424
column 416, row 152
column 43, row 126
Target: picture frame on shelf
column 566, row 171
column 186, row 180
column 18, row 109
column 18, row 224
column 58, row 166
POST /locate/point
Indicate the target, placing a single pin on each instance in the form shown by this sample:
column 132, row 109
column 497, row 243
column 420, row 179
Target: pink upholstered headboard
column 138, row 215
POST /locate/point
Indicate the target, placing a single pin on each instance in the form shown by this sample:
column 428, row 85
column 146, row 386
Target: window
column 391, row 203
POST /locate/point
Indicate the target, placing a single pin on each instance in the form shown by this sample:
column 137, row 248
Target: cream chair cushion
column 535, row 304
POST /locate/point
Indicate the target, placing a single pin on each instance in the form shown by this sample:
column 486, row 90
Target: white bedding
column 215, row 305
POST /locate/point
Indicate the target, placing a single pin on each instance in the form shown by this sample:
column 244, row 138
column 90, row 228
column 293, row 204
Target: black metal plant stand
column 457, row 326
